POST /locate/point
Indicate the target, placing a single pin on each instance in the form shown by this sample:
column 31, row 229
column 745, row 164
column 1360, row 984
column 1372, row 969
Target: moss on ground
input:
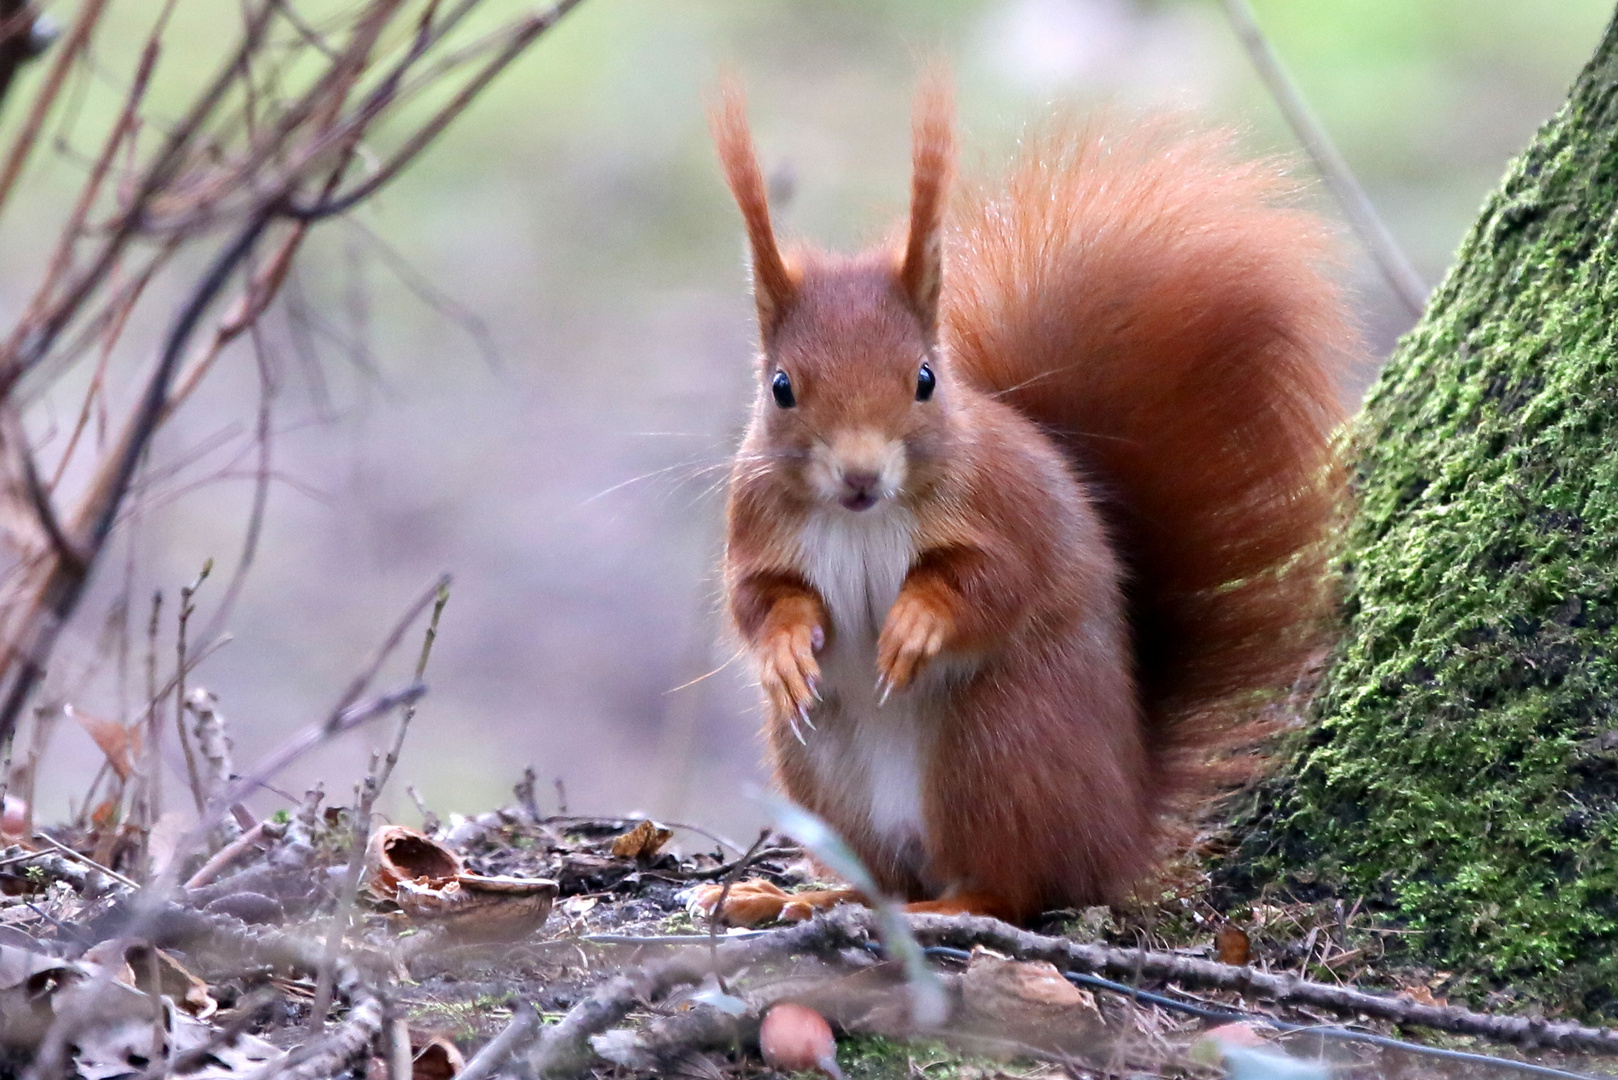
column 1465, row 764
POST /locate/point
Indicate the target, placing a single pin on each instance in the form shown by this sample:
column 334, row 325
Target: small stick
column 1384, row 250
column 233, row 851
column 154, row 718
column 87, row 861
column 498, row 1049
column 369, row 789
column 187, row 609
column 409, row 713
column 965, row 931
column 400, row 1059
column 736, row 869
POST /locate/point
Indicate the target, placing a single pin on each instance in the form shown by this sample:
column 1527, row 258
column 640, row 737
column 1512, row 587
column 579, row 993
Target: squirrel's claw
column 790, row 674
column 914, row 633
column 800, row 716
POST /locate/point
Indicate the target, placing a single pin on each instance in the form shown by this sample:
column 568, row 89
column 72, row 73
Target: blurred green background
column 572, row 481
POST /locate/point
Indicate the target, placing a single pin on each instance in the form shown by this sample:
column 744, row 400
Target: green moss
column 873, row 1057
column 1463, row 767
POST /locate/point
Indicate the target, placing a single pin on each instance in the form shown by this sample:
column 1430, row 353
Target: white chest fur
column 874, row 756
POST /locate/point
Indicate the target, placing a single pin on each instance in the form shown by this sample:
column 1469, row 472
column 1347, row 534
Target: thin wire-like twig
column 1384, row 250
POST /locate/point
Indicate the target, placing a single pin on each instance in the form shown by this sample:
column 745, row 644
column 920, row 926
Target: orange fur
column 1005, row 627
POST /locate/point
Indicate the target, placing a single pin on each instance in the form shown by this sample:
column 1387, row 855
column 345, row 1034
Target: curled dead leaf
column 119, row 744
column 135, row 963
column 642, row 842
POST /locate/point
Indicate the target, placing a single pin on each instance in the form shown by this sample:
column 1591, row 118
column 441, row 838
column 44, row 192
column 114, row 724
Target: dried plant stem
column 370, row 788
column 964, row 931
column 564, row 1049
column 343, row 914
column 409, row 714
column 187, row 609
column 264, row 830
column 513, row 1036
column 59, row 595
column 87, row 861
column 1384, row 250
column 78, row 38
column 16, row 44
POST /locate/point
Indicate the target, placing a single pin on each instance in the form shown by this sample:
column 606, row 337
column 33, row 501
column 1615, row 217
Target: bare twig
column 87, row 861
column 264, row 830
column 1390, row 259
column 564, row 1050
column 19, row 41
column 59, row 595
column 512, row 1037
column 409, row 714
column 732, row 875
column 78, row 38
column 964, row 931
column 187, row 609
column 370, row 788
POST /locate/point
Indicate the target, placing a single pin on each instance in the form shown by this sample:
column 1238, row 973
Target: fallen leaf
column 132, row 963
column 1024, row 992
column 163, row 842
column 642, row 842
column 1233, row 945
column 120, row 745
column 579, row 905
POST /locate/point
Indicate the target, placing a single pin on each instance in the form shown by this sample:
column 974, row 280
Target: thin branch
column 964, row 931
column 1396, row 268
column 59, row 595
column 77, row 40
column 564, row 1049
column 18, row 42
column 494, row 1054
column 521, row 38
column 392, row 759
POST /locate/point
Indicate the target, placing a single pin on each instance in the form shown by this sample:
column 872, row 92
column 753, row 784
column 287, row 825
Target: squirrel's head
column 854, row 394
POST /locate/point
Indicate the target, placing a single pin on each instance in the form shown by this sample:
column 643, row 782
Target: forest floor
column 248, row 960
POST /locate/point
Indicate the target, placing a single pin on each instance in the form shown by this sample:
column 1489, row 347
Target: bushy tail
column 1146, row 296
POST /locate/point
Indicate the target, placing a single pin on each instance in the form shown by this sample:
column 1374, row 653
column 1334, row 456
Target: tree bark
column 1463, row 766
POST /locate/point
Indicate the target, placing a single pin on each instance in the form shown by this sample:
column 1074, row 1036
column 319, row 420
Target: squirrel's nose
column 861, row 481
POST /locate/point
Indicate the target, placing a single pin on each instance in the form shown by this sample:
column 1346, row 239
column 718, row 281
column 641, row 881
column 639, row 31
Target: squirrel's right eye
column 781, row 387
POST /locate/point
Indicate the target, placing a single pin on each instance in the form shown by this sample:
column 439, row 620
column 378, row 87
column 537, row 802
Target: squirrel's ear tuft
column 933, row 165
column 773, row 284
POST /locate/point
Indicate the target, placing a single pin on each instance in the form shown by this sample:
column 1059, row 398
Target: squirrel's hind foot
column 756, row 901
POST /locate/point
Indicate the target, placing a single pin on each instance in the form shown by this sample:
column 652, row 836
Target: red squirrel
column 1033, row 510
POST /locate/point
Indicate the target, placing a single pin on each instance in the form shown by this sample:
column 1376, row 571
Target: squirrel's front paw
column 914, row 633
column 788, row 671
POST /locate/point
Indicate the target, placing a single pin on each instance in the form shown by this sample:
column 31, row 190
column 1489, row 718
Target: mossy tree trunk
column 1464, row 768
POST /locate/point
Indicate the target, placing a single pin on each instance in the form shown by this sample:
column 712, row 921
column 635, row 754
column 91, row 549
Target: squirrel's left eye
column 781, row 388
column 926, row 381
